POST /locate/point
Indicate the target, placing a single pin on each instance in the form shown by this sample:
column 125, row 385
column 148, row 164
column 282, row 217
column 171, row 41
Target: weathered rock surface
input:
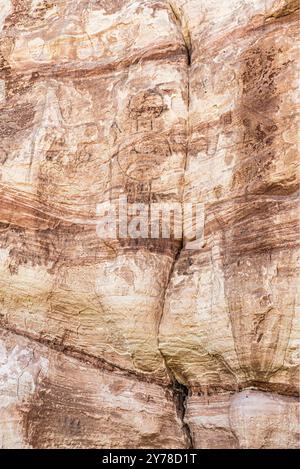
column 248, row 419
column 144, row 343
column 54, row 400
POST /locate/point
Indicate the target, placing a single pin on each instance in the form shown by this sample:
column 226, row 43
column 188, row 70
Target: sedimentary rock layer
column 143, row 342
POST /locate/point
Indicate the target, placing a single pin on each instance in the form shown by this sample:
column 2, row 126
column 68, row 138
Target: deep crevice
column 180, row 395
column 183, row 29
column 179, row 391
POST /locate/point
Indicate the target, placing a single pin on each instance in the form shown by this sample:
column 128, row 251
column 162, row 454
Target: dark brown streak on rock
column 250, row 233
column 168, row 51
column 57, row 345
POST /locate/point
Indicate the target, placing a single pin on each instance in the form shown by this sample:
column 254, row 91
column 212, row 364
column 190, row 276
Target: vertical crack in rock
column 180, row 395
column 180, row 391
column 182, row 24
column 122, row 102
column 169, row 371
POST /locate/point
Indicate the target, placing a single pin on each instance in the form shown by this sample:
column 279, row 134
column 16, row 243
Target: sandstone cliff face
column 144, row 343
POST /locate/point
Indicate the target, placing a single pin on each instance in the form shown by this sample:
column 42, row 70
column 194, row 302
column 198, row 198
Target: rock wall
column 142, row 342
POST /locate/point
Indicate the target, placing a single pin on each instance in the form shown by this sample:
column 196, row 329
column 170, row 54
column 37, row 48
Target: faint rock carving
column 144, row 159
column 144, row 108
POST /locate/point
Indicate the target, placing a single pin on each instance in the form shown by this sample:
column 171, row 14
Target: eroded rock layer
column 142, row 342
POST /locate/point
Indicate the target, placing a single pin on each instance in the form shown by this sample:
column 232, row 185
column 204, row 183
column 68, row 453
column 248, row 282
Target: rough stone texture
column 143, row 343
column 248, row 419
